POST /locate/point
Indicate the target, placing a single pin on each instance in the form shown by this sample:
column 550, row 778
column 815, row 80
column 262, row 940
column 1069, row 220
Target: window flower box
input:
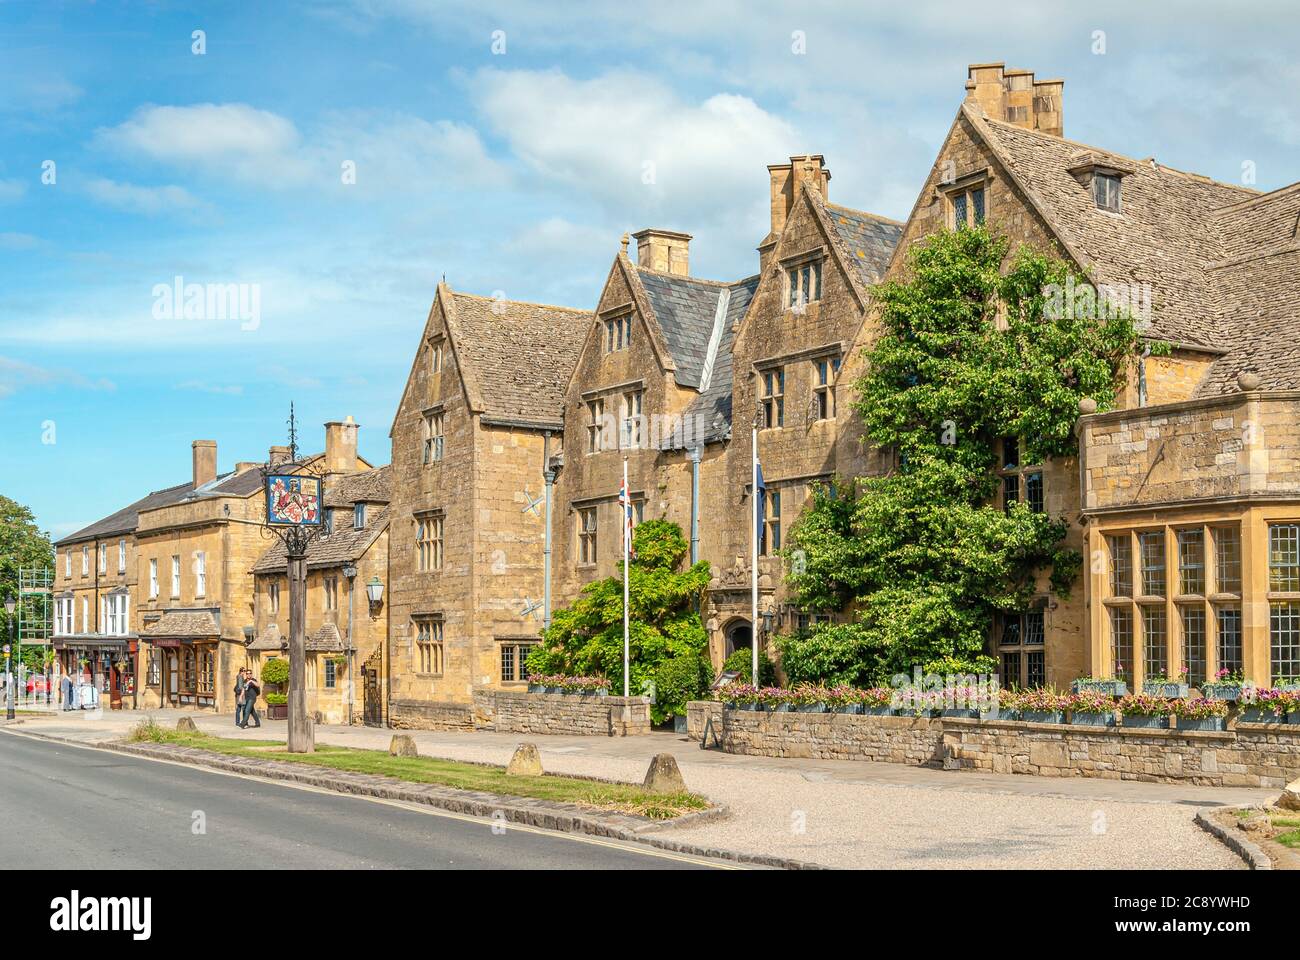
column 848, row 708
column 536, row 688
column 1201, row 714
column 1091, row 708
column 1043, row 716
column 1149, row 723
column 1165, row 688
column 1222, row 691
column 1257, row 715
column 809, row 708
column 1203, row 723
column 884, row 710
column 1101, row 685
column 966, row 713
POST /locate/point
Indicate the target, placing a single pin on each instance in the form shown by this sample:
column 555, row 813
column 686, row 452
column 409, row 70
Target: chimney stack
column 277, row 455
column 341, row 446
column 204, row 453
column 807, row 171
column 1015, row 97
column 664, row 250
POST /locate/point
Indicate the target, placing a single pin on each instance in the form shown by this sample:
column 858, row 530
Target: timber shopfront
column 105, row 663
column 182, row 650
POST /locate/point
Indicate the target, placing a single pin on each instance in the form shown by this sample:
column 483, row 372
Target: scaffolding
column 35, row 626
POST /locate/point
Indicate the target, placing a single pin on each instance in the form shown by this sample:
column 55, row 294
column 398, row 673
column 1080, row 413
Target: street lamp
column 10, row 604
column 375, row 591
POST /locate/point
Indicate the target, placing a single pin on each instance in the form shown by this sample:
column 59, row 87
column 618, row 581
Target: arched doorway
column 739, row 636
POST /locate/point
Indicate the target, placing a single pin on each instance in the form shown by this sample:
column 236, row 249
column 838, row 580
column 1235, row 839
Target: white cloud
column 634, row 145
column 11, row 190
column 17, row 375
column 392, row 152
column 230, row 138
column 150, row 201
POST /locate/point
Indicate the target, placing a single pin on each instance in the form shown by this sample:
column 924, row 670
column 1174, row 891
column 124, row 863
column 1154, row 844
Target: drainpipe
column 548, row 475
column 696, row 453
column 350, row 571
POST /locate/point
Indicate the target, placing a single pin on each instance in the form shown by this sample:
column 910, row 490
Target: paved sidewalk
column 839, row 813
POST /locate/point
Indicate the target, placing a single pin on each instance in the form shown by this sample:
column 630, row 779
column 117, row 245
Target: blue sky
column 507, row 161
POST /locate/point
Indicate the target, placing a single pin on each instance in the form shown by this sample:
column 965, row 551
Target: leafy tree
column 22, row 545
column 668, row 643
column 975, row 346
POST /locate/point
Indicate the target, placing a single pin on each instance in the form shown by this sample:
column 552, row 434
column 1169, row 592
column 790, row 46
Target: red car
column 36, row 684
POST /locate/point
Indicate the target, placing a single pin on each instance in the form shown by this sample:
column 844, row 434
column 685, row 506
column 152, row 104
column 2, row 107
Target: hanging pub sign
column 293, row 501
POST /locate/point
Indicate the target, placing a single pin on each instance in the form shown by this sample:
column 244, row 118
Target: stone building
column 346, row 668
column 1188, row 479
column 652, row 386
column 96, row 620
column 194, row 573
column 479, row 420
column 670, row 359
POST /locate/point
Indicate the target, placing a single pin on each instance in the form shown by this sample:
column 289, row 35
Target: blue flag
column 760, row 494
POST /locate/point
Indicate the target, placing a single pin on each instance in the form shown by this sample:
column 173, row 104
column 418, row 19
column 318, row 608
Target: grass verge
column 609, row 797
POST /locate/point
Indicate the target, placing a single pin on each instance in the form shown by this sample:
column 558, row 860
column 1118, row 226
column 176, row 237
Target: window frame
column 588, row 539
column 1018, row 476
column 772, row 396
column 430, row 646
column 826, row 373
column 1108, row 191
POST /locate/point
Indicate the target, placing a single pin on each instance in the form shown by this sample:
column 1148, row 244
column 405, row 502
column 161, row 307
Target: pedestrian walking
column 241, row 681
column 251, row 689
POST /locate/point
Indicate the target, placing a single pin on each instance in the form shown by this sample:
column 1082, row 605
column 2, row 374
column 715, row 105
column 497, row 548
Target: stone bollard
column 526, row 762
column 664, row 776
column 187, row 724
column 402, row 745
column 1290, row 799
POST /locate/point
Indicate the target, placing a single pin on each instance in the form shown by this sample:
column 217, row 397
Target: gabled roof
column 346, row 544
column 869, row 240
column 711, row 410
column 189, row 624
column 126, row 519
column 1165, row 236
column 686, row 310
column 516, row 358
column 1222, row 260
column 370, row 486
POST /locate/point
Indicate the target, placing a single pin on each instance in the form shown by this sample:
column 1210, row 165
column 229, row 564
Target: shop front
column 101, row 668
column 181, row 654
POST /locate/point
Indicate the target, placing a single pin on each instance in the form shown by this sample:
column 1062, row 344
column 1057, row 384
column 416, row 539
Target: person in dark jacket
column 251, row 689
column 68, row 692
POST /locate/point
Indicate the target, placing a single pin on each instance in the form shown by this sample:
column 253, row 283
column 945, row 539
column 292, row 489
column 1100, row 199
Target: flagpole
column 626, row 507
column 753, row 517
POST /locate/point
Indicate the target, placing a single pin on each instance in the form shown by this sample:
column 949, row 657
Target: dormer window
column 1106, row 191
column 358, row 516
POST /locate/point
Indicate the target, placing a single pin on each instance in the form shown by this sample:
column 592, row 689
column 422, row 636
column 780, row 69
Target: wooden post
column 301, row 735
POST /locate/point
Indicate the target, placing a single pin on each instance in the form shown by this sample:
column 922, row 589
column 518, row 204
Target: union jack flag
column 625, row 500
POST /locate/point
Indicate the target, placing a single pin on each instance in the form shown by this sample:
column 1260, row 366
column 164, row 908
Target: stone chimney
column 1014, row 96
column 808, row 171
column 204, row 454
column 341, row 446
column 277, row 455
column 664, row 250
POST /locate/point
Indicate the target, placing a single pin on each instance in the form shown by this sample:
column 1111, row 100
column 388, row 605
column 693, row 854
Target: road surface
column 85, row 808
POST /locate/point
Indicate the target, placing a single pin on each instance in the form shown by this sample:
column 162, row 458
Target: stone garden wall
column 1255, row 755
column 561, row 713
column 1250, row 755
column 421, row 715
column 833, row 736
